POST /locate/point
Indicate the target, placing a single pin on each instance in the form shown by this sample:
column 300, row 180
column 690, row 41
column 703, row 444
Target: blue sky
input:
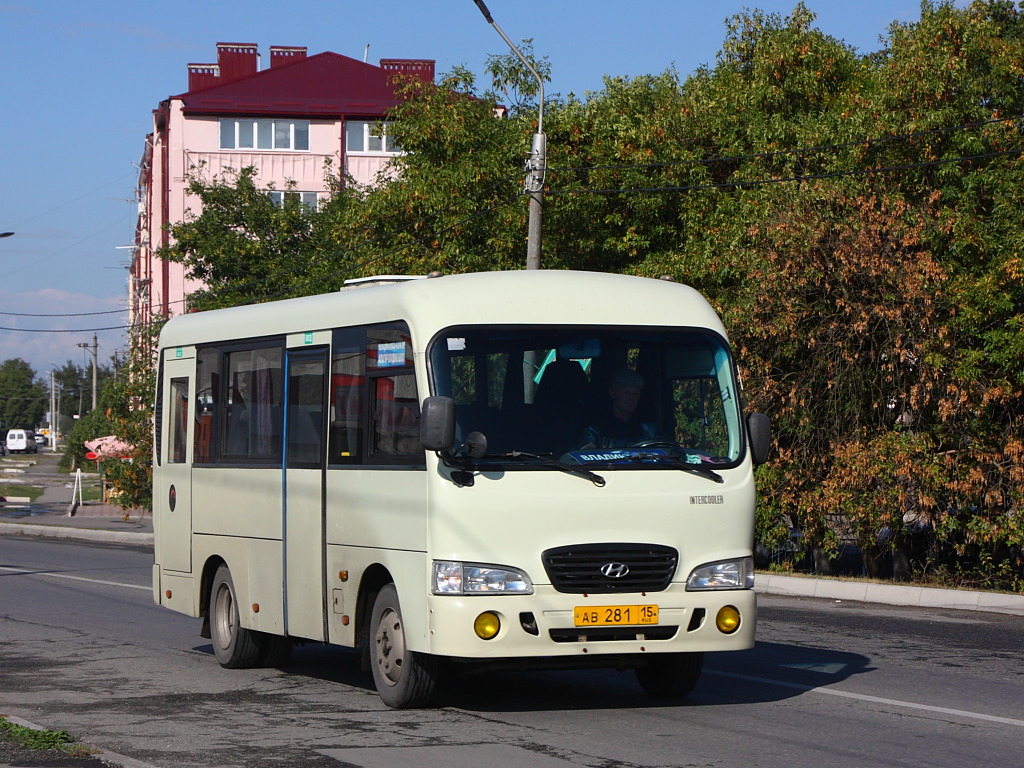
column 80, row 81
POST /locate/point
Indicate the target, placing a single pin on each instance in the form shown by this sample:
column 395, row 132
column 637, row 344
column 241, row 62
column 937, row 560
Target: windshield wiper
column 593, row 477
column 633, row 454
column 678, row 463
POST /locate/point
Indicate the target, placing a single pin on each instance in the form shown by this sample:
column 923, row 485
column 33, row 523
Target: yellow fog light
column 727, row 620
column 487, row 625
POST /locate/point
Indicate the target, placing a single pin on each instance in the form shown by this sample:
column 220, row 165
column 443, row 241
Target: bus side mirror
column 759, row 428
column 437, row 423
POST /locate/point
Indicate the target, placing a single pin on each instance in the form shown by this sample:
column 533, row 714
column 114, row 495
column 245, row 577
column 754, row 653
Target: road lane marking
column 871, row 699
column 75, row 578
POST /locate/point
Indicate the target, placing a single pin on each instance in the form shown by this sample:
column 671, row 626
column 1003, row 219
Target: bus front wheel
column 403, row 678
column 670, row 675
column 234, row 646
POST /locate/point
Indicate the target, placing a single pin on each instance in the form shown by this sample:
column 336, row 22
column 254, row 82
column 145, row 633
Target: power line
column 70, row 314
column 339, row 273
column 66, row 248
column 741, row 183
column 390, row 236
column 75, row 199
column 685, row 188
column 645, row 166
column 65, row 330
column 424, row 220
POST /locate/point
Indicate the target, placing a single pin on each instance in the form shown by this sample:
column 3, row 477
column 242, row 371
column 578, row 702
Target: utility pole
column 54, row 411
column 95, row 346
column 53, row 406
column 537, row 164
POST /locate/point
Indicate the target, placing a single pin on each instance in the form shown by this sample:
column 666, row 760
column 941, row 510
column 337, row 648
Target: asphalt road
column 84, row 649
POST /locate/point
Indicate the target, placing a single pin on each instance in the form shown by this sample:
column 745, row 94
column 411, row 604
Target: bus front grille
column 608, row 568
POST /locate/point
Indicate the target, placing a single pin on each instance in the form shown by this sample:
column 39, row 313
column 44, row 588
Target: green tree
column 23, row 401
column 855, row 219
column 74, row 385
column 244, row 248
column 127, row 405
column 88, row 427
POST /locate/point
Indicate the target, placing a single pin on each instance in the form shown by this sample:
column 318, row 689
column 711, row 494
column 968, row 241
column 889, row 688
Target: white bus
column 432, row 470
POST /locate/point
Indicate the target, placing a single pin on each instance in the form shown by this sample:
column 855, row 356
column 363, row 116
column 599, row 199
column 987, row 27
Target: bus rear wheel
column 234, row 646
column 670, row 675
column 404, row 679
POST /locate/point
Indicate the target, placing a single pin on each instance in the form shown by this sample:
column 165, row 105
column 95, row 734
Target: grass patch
column 22, row 457
column 45, row 739
column 33, row 492
column 91, row 493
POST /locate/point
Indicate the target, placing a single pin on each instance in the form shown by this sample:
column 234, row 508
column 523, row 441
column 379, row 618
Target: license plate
column 614, row 615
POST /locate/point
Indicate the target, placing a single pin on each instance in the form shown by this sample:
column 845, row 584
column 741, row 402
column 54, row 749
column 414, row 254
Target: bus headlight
column 728, row 574
column 455, row 578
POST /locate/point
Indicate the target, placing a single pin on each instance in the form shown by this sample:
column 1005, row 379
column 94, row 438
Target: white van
column 21, row 441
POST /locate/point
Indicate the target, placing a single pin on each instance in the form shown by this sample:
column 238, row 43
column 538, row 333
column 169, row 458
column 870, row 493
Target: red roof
column 326, row 84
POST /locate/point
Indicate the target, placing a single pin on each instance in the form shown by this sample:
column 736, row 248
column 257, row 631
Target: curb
column 87, row 534
column 99, row 753
column 764, row 583
column 889, row 594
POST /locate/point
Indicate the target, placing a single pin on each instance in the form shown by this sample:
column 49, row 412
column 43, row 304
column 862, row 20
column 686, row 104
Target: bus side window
column 252, row 413
column 395, row 408
column 207, row 397
column 374, row 406
column 305, row 411
column 178, row 426
column 348, row 385
column 396, row 415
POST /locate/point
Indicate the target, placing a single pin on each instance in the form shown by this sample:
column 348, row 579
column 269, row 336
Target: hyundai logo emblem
column 614, row 570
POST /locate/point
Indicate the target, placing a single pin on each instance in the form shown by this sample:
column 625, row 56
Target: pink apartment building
column 286, row 120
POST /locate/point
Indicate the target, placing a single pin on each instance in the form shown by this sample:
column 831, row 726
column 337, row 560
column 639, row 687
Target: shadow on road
column 768, row 672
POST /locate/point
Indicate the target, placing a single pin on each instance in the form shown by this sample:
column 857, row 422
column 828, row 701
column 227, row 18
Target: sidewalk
column 93, row 521
column 863, row 591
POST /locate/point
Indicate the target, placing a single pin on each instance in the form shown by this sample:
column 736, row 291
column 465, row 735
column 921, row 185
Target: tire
column 234, row 646
column 670, row 675
column 404, row 679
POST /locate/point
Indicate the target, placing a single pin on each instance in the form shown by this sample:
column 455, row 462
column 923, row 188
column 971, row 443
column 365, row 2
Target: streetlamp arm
column 526, row 63
column 538, row 156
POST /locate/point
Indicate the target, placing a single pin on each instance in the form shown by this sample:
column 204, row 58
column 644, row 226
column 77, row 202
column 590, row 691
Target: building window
column 369, row 137
column 308, row 199
column 249, row 133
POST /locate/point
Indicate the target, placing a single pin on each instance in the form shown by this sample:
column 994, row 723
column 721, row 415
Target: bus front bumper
column 553, row 624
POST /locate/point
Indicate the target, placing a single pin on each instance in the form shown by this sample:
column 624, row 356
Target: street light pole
column 537, row 163
column 95, row 347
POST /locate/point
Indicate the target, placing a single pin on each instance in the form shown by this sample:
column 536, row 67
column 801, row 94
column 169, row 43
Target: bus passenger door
column 304, row 519
column 172, row 496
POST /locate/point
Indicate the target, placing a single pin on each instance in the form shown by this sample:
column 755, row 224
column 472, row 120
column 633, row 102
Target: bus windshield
column 609, row 396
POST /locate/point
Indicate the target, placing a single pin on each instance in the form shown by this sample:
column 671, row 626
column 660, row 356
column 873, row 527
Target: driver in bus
column 620, row 426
